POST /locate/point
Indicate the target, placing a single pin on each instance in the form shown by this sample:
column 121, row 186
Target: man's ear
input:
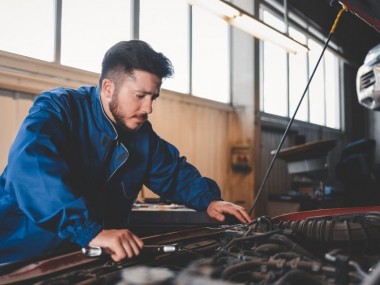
column 108, row 88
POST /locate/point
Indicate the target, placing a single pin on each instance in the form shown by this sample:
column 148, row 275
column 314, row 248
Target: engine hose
column 306, row 266
column 246, row 239
column 285, row 255
column 291, row 245
column 249, row 276
column 269, row 249
column 276, row 251
column 355, row 235
column 296, row 276
column 233, row 269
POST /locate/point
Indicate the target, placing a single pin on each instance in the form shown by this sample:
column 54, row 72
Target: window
column 332, row 91
column 316, row 88
column 168, row 32
column 285, row 76
column 165, row 25
column 298, row 77
column 274, row 99
column 210, row 57
column 89, row 28
column 27, row 28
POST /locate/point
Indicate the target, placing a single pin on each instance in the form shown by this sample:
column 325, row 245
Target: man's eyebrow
column 148, row 93
column 143, row 92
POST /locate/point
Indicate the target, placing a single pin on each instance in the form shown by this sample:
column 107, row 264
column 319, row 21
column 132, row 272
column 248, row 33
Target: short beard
column 114, row 106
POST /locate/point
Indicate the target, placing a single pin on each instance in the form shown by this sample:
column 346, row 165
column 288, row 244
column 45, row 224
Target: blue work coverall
column 69, row 175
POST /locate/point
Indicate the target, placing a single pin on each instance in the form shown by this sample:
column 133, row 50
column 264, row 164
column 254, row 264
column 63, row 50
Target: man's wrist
column 83, row 234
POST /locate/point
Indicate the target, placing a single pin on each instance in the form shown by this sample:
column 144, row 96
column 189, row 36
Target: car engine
column 321, row 249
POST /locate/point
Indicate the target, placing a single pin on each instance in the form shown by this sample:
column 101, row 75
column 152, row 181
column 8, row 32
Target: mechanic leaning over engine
column 82, row 155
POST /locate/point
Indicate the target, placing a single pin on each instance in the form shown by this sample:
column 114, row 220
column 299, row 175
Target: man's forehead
column 137, row 74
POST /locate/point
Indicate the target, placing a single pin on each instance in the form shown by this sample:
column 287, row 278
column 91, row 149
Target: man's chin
column 133, row 128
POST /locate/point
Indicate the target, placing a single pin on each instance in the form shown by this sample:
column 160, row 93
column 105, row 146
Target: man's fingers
column 242, row 215
column 138, row 241
column 219, row 216
column 121, row 243
column 246, row 216
column 132, row 244
column 236, row 212
column 118, row 252
column 215, row 214
column 129, row 249
column 136, row 244
column 217, row 208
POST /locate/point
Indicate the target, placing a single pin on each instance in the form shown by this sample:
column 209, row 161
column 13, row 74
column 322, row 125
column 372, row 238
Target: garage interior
column 330, row 157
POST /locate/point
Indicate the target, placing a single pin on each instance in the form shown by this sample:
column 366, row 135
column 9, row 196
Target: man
column 81, row 157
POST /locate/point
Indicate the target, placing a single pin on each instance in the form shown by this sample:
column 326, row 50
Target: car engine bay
column 321, row 249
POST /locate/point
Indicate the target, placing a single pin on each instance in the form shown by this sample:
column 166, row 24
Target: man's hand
column 120, row 244
column 217, row 209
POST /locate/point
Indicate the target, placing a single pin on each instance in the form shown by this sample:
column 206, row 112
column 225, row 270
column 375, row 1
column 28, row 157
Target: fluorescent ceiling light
column 217, row 7
column 247, row 23
column 266, row 33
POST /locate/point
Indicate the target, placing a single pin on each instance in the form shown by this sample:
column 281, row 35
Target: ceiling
column 354, row 35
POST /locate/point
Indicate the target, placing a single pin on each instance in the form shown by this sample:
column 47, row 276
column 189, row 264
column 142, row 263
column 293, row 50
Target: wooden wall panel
column 13, row 109
column 241, row 134
column 7, row 125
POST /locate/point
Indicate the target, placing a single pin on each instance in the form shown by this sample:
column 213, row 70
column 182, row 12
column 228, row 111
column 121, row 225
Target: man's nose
column 148, row 106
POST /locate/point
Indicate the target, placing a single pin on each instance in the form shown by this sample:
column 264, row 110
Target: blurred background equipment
column 368, row 80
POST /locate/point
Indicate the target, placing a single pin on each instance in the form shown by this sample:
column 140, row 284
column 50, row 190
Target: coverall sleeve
column 39, row 176
column 171, row 176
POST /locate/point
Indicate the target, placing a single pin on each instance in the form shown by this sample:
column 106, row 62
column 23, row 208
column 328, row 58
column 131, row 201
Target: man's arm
column 39, row 175
column 171, row 176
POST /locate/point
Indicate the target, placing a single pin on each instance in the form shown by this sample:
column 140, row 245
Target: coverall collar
column 101, row 118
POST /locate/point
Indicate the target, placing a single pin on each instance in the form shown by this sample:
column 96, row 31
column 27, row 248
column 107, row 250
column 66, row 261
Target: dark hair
column 126, row 56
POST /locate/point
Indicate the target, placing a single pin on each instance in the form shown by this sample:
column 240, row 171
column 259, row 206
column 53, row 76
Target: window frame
column 313, row 33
